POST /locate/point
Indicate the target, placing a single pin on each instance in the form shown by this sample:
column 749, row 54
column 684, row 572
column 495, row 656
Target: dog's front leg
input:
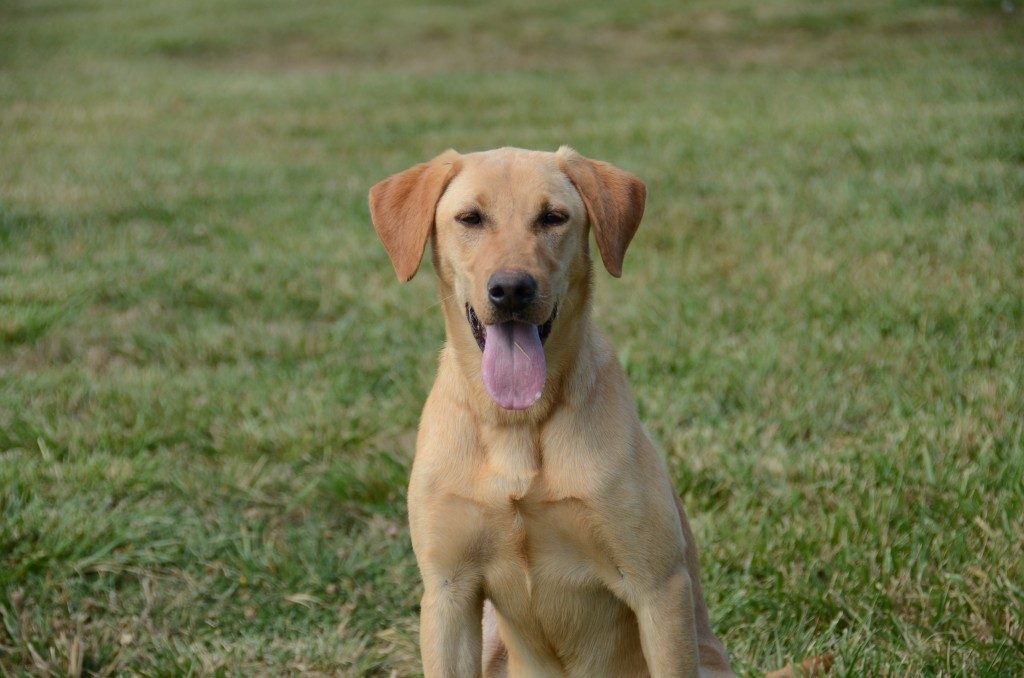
column 668, row 633
column 451, row 618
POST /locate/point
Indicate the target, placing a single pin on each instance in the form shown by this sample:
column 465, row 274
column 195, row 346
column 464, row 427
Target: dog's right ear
column 402, row 208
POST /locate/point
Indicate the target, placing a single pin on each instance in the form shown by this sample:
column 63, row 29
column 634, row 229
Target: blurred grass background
column 210, row 382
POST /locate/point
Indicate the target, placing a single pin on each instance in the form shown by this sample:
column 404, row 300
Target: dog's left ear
column 402, row 208
column 614, row 200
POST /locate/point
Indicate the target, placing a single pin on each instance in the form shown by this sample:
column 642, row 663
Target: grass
column 209, row 381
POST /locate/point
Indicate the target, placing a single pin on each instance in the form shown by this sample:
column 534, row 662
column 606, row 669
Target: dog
column 549, row 537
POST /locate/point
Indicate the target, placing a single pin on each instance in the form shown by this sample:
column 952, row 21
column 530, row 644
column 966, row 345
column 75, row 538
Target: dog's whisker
column 442, row 300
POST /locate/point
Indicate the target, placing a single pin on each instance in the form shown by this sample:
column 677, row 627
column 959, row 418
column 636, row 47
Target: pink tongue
column 513, row 367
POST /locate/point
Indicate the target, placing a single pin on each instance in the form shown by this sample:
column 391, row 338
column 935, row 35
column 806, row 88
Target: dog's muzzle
column 480, row 330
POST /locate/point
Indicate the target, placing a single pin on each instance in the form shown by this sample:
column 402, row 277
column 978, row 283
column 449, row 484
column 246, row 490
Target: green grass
column 210, row 382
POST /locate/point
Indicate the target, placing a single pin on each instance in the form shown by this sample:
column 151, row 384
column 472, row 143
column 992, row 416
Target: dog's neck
column 570, row 351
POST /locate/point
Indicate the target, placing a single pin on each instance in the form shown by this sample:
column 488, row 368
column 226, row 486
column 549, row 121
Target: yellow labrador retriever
column 549, row 537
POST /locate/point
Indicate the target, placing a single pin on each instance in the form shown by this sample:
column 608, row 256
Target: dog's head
column 509, row 232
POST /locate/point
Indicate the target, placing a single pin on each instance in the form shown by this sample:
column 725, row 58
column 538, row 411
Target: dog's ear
column 614, row 200
column 402, row 208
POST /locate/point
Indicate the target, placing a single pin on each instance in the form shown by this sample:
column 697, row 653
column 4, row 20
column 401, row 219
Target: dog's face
column 509, row 231
column 510, row 246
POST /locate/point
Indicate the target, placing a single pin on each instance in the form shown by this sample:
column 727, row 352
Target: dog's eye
column 553, row 218
column 473, row 218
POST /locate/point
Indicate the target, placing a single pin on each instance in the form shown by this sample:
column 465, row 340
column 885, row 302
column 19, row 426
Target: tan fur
column 615, row 203
column 561, row 516
column 403, row 210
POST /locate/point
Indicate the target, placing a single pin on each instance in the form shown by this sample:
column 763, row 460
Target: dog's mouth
column 480, row 330
column 513, row 366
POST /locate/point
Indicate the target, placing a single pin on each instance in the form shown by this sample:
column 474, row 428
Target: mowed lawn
column 210, row 380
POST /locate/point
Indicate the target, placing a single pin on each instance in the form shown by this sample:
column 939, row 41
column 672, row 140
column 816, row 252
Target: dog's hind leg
column 714, row 660
column 495, row 654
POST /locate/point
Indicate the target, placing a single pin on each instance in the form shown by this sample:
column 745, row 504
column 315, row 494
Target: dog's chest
column 541, row 520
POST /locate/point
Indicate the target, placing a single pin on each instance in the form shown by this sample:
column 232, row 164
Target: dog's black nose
column 511, row 290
